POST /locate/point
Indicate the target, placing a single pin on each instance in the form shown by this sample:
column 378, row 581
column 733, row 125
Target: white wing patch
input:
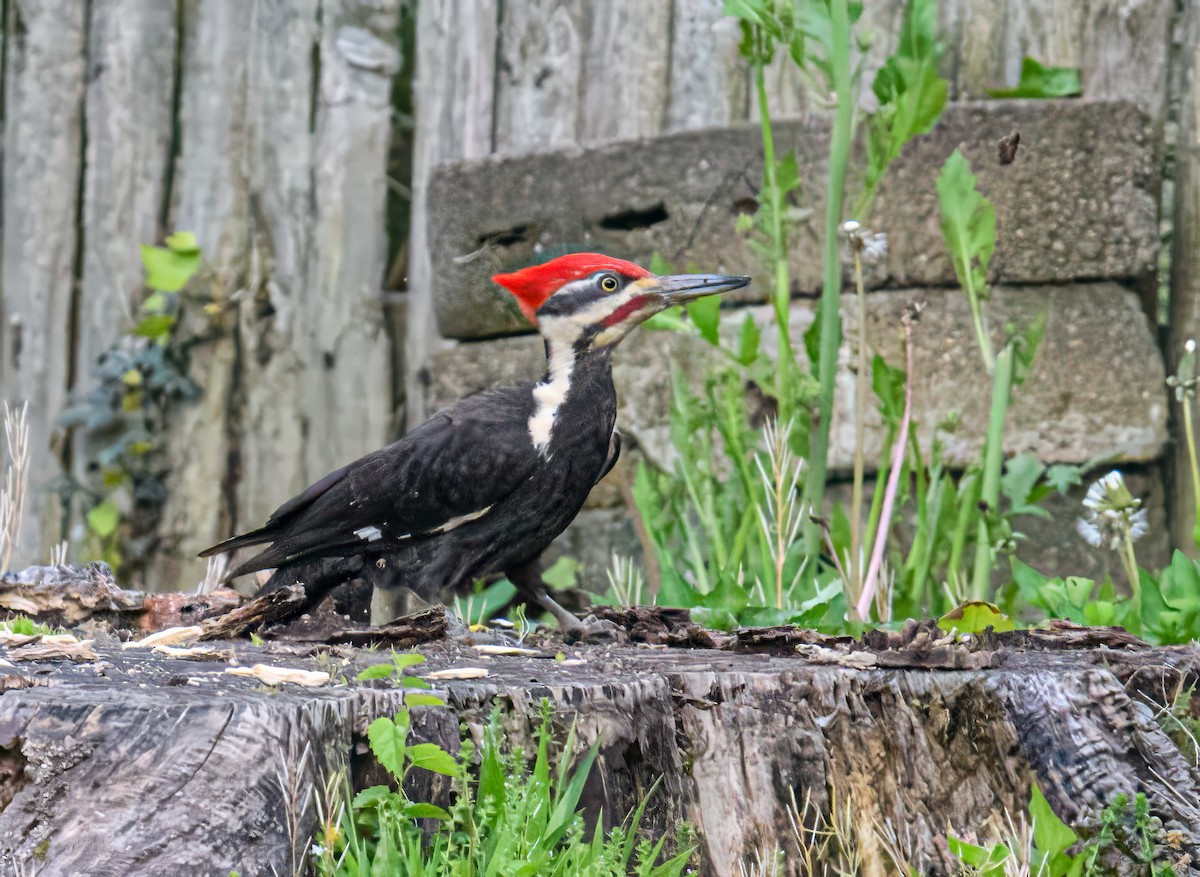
column 369, row 534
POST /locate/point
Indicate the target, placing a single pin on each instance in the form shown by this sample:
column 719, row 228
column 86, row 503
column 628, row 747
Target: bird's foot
column 574, row 629
column 590, row 629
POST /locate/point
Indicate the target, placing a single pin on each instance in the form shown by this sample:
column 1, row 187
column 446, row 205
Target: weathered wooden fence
column 263, row 127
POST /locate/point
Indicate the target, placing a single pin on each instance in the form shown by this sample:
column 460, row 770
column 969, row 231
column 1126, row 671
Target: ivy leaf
column 104, row 518
column 156, row 327
column 1038, row 81
column 183, row 243
column 432, row 757
column 968, row 222
column 168, row 270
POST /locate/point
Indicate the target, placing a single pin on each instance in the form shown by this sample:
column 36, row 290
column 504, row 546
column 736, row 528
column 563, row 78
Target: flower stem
column 874, row 571
column 1131, row 568
column 782, row 293
column 857, row 549
column 831, row 293
column 992, row 462
column 1190, row 433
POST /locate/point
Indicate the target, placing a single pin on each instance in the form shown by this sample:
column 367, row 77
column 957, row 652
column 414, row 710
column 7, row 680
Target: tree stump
column 142, row 763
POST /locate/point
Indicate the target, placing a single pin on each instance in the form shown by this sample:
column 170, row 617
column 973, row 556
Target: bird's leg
column 527, row 578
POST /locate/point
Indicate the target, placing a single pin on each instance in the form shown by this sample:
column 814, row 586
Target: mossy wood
column 145, row 764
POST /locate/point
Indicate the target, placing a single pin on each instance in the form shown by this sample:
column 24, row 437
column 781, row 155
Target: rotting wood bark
column 141, row 763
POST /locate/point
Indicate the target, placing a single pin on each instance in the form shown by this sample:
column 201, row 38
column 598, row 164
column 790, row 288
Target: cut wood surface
column 143, row 763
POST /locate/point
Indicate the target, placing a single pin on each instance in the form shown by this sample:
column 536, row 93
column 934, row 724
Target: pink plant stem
column 893, row 483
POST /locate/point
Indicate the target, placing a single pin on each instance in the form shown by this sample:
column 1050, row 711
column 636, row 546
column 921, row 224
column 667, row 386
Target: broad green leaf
column 562, row 574
column 415, row 698
column 1038, row 81
column 375, row 671
column 1063, row 476
column 104, row 518
column 1153, row 604
column 371, row 796
column 387, row 740
column 156, row 302
column 1051, row 835
column 968, row 222
column 705, row 314
column 669, row 320
column 419, row 810
column 748, row 341
column 404, row 660
column 976, row 616
column 432, row 757
column 887, row 382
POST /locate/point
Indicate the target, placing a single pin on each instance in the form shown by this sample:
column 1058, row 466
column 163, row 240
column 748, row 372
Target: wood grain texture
column 943, row 739
column 709, row 84
column 129, row 114
column 456, row 62
column 44, row 89
column 625, row 70
column 269, row 416
column 212, row 199
column 348, row 369
column 539, row 69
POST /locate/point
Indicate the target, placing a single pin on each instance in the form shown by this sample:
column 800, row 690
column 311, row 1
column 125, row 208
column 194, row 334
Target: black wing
column 458, row 463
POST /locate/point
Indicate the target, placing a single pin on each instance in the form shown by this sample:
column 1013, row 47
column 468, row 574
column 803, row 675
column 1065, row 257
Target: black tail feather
column 254, row 537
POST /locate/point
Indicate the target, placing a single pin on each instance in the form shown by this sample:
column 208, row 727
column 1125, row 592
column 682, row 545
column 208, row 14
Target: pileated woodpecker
column 485, row 486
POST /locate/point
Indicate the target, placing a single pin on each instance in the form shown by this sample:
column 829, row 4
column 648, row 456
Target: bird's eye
column 608, row 283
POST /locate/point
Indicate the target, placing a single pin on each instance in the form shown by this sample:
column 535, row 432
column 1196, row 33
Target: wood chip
column 571, row 662
column 16, row 640
column 853, row 660
column 505, row 650
column 172, row 636
column 276, row 675
column 458, row 673
column 45, row 650
column 196, row 653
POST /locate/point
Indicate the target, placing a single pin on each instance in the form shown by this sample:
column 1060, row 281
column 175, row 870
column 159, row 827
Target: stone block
column 1096, row 387
column 1079, row 202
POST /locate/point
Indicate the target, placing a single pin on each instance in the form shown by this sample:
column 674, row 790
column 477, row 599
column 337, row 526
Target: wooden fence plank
column 538, row 74
column 456, row 61
column 347, row 385
column 271, row 423
column 626, row 62
column 44, row 87
column 129, row 114
column 709, row 84
column 211, row 199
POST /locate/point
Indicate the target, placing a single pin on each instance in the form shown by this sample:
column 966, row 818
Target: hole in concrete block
column 510, row 238
column 632, row 220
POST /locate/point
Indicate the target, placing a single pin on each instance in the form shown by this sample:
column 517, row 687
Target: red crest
column 533, row 285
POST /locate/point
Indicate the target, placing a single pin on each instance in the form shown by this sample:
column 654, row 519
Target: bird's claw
column 591, row 629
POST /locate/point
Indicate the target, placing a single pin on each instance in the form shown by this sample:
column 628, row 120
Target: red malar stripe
column 630, row 307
